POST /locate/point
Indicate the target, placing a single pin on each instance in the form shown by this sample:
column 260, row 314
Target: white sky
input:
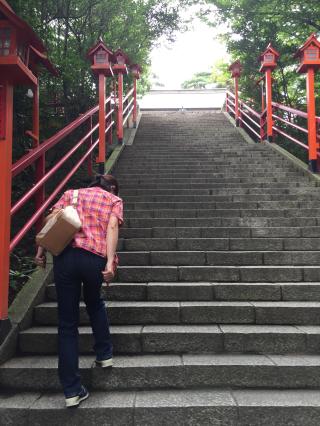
column 193, row 51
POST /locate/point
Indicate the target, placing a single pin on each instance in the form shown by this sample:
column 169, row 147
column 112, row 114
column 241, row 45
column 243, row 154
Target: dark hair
column 106, row 182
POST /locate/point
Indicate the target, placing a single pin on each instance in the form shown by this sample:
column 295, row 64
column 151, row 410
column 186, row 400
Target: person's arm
column 112, row 242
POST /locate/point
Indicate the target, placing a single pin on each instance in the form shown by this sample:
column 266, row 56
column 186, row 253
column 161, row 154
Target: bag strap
column 75, row 197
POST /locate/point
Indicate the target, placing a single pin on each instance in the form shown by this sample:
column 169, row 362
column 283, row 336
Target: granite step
column 167, row 407
column 174, row 338
column 218, row 258
column 186, row 371
column 195, row 312
column 220, row 244
column 175, row 291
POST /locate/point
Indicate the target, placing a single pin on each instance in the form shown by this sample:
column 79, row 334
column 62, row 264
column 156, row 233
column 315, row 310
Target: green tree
column 252, row 25
column 220, row 74
column 197, row 81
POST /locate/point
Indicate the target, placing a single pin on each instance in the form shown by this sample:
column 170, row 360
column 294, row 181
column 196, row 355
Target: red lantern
column 269, row 58
column 309, row 54
column 121, row 62
column 136, row 71
column 101, row 59
column 20, row 49
column 235, row 69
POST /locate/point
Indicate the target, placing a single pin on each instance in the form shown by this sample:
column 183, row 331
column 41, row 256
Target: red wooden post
column 20, row 51
column 269, row 105
column 312, row 127
column 90, row 141
column 268, row 63
column 309, row 55
column 101, row 58
column 6, row 120
column 102, row 123
column 235, row 69
column 136, row 71
column 120, row 109
column 236, row 93
column 109, row 121
column 40, row 163
column 135, row 106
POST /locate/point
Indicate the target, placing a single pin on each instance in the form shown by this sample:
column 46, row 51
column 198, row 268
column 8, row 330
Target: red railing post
column 40, row 163
column 309, row 55
column 236, row 106
column 120, row 109
column 90, row 141
column 269, row 105
column 135, row 108
column 227, row 102
column 102, row 123
column 268, row 63
column 312, row 126
column 109, row 122
column 6, row 126
column 235, row 69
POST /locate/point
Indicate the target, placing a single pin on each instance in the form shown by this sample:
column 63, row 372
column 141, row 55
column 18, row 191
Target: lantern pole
column 6, row 126
column 269, row 104
column 236, row 92
column 312, row 127
column 120, row 108
column 102, row 123
column 135, row 102
column 40, row 163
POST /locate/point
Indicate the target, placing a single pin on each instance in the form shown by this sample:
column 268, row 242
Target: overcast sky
column 193, row 51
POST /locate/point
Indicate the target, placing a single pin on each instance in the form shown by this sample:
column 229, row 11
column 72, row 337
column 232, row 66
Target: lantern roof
column 136, row 67
column 120, row 52
column 28, row 34
column 270, row 49
column 312, row 40
column 43, row 59
column 234, row 65
column 100, row 45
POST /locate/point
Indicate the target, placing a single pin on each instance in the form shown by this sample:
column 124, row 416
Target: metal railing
column 41, row 150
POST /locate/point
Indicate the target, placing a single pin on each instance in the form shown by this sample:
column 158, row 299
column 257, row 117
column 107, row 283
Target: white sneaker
column 74, row 401
column 105, row 363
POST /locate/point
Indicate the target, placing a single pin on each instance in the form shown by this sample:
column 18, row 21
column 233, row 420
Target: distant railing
column 286, row 121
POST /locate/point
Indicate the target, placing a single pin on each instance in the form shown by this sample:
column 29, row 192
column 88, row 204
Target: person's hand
column 40, row 259
column 108, row 273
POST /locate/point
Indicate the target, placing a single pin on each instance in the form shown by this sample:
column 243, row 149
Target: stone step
column 211, row 258
column 220, row 190
column 223, row 213
column 175, row 291
column 186, row 371
column 226, row 181
column 168, row 407
column 233, row 205
column 158, row 339
column 206, row 312
column 221, row 232
column 263, row 222
column 302, row 198
column 220, row 244
column 219, row 273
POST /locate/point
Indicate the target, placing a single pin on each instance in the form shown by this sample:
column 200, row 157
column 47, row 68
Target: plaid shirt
column 95, row 206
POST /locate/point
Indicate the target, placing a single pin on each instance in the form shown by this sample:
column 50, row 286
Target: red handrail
column 246, row 119
column 30, row 158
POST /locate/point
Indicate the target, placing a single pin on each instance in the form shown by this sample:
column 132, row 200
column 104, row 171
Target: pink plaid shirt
column 95, row 206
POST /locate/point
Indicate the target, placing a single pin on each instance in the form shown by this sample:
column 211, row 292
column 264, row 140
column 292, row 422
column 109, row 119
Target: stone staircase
column 216, row 312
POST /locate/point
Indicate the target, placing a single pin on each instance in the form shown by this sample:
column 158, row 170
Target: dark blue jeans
column 71, row 268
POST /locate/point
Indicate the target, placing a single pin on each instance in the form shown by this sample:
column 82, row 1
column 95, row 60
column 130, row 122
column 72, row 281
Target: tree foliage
column 252, row 24
column 70, row 27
